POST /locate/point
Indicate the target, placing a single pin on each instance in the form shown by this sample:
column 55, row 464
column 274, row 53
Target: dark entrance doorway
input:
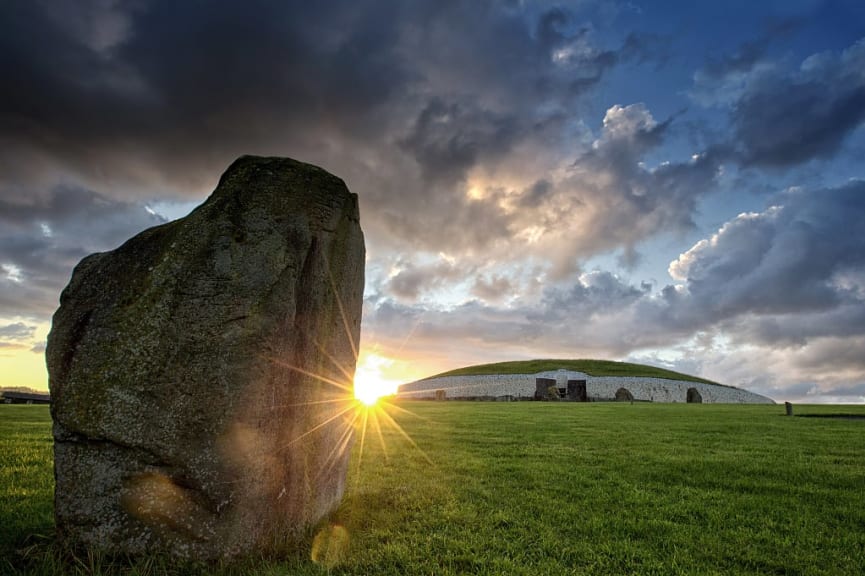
column 693, row 396
column 542, row 387
column 577, row 391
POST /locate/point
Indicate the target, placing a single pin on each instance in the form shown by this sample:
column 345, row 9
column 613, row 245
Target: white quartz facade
column 597, row 387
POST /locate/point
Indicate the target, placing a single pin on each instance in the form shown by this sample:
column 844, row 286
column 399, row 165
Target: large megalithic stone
column 201, row 372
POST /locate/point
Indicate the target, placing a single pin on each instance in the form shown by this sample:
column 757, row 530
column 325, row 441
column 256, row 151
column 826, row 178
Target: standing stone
column 201, row 372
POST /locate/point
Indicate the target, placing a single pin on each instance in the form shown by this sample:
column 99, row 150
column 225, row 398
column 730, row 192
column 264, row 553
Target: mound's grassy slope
column 590, row 367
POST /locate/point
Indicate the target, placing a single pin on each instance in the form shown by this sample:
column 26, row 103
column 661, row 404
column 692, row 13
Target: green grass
column 590, row 367
column 26, row 477
column 552, row 488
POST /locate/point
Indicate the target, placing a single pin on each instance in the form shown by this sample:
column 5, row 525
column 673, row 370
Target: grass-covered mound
column 590, row 367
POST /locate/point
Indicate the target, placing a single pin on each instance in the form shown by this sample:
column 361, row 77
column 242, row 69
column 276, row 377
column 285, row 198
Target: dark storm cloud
column 791, row 123
column 448, row 138
column 190, row 81
column 184, row 87
column 42, row 240
column 155, row 98
column 783, row 118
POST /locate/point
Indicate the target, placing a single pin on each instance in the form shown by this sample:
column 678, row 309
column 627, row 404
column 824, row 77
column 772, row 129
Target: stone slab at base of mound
column 201, row 373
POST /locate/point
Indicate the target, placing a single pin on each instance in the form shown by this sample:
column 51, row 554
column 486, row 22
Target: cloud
column 416, row 106
column 43, row 239
column 591, row 316
column 596, row 293
column 405, row 102
column 409, row 281
column 782, row 118
column 449, row 138
column 493, row 289
column 618, row 201
column 797, row 257
column 725, row 78
column 175, row 92
column 785, row 287
column 15, row 336
column 487, row 171
column 17, row 331
column 824, row 370
column 773, row 300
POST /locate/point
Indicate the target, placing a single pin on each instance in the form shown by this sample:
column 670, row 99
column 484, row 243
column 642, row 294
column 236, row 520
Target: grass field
column 545, row 488
column 590, row 367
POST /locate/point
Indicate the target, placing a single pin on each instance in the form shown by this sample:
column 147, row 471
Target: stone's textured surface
column 201, row 373
column 597, row 387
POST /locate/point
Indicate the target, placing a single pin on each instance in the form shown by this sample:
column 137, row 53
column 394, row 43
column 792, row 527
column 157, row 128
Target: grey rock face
column 201, row 373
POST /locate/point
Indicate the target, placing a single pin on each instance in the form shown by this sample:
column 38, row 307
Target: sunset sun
column 370, row 380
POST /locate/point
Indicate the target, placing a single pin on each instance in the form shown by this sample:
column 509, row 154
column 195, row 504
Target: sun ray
column 405, row 435
column 341, row 445
column 317, row 426
column 334, row 361
column 313, row 402
column 378, row 430
column 410, row 334
column 362, row 437
column 394, row 406
column 341, row 309
column 324, row 379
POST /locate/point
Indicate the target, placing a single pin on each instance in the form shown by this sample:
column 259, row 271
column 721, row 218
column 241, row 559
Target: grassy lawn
column 547, row 488
column 590, row 367
column 26, row 477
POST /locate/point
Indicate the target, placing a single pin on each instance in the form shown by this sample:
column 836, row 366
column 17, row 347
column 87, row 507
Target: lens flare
column 370, row 383
column 330, row 546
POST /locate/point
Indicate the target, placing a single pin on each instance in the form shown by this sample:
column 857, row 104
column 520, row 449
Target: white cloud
column 625, row 122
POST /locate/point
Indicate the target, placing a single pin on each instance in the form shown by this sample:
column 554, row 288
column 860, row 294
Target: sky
column 675, row 183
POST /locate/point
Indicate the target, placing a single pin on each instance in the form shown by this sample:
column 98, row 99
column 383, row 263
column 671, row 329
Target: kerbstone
column 201, row 373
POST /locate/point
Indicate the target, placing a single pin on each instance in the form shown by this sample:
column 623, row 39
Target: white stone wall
column 597, row 387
